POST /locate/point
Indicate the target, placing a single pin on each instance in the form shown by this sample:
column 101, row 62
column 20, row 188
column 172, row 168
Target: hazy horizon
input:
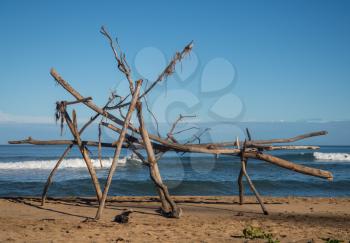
column 338, row 132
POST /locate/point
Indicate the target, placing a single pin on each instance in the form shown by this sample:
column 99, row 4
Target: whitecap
column 49, row 164
column 332, row 156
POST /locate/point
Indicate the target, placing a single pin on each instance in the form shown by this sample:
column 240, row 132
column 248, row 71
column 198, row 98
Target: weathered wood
column 293, row 147
column 134, row 139
column 251, row 185
column 240, row 185
column 53, row 171
column 289, row 165
column 78, row 96
column 30, row 140
column 244, row 162
column 100, row 145
column 69, row 142
column 118, row 149
column 77, row 101
column 169, row 69
column 288, row 140
column 118, row 121
column 120, row 58
column 252, row 154
column 241, row 171
column 271, row 141
column 211, row 148
column 174, row 148
column 154, row 171
column 240, row 178
column 131, row 140
column 84, row 153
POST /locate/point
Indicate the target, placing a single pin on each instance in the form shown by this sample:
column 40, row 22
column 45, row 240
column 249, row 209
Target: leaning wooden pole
column 118, row 149
column 65, row 153
column 241, row 172
column 244, row 162
column 251, row 185
column 52, row 173
column 153, row 166
column 240, row 184
column 84, row 152
column 131, row 139
column 240, row 179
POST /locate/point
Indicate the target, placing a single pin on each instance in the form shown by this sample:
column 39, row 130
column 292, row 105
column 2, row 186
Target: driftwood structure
column 137, row 138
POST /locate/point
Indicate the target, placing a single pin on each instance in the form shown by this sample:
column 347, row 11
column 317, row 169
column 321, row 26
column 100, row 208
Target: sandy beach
column 205, row 219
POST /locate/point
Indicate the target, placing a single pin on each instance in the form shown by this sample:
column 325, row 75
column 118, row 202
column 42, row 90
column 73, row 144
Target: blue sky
column 291, row 59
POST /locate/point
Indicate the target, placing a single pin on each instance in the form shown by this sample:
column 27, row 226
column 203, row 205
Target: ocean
column 24, row 169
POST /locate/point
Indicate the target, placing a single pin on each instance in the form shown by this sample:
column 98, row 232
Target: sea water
column 24, row 170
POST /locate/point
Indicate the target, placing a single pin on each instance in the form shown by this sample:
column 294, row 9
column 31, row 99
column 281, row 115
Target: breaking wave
column 49, row 164
column 332, row 156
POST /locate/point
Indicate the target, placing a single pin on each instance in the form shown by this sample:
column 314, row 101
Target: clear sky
column 290, row 59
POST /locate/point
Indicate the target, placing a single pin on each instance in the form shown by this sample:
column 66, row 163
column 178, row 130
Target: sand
column 205, row 219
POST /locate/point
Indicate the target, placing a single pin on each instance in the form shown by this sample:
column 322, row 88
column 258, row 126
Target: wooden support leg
column 74, row 130
column 165, row 205
column 166, row 208
column 244, row 161
column 118, row 149
column 154, row 171
column 49, row 179
column 240, row 176
column 65, row 153
column 239, row 180
column 240, row 187
column 173, row 211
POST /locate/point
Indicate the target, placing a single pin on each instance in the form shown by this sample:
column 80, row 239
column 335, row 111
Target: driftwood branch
column 171, row 133
column 290, row 166
column 119, row 147
column 251, row 185
column 289, row 140
column 49, row 179
column 77, row 101
column 70, row 142
column 170, row 68
column 65, row 153
column 120, row 58
column 154, row 171
column 84, row 152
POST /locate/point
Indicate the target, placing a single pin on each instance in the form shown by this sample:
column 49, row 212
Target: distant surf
column 49, row 164
column 340, row 157
column 24, row 171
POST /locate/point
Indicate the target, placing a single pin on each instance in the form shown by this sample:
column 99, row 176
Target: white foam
column 133, row 158
column 332, row 156
column 49, row 164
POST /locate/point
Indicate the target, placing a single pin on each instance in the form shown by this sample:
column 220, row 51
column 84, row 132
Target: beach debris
column 136, row 137
column 123, row 218
column 330, row 240
column 89, row 220
column 48, row 219
column 120, row 239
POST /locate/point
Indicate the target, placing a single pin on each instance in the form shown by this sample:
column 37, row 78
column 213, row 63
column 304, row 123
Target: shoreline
column 205, row 219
